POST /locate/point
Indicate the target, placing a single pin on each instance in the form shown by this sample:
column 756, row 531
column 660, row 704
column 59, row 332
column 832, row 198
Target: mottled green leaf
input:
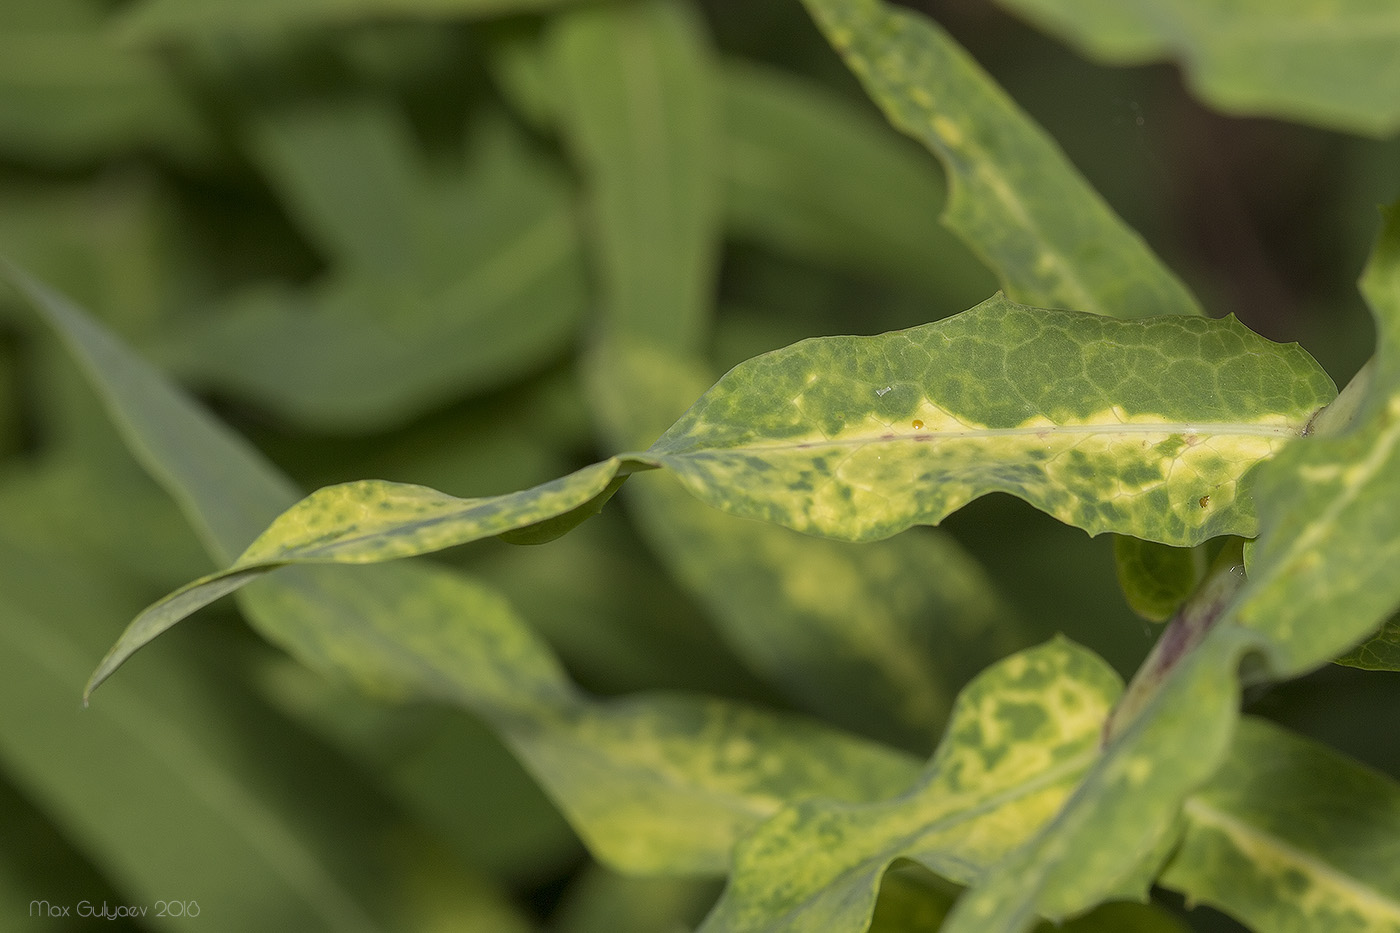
column 1020, row 737
column 1120, row 821
column 1156, row 578
column 1144, row 428
column 371, row 521
column 637, row 106
column 1322, row 576
column 654, row 783
column 1380, row 652
column 870, row 636
column 1289, row 835
column 811, row 175
column 165, row 19
column 1013, row 196
column 1316, row 61
column 446, row 286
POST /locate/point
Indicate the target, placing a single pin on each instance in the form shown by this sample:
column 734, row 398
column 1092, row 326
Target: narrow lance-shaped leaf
column 1289, row 835
column 1145, row 428
column 1330, row 64
column 1322, row 576
column 637, row 106
column 1013, row 196
column 372, row 521
column 810, row 174
column 1020, row 737
column 659, row 783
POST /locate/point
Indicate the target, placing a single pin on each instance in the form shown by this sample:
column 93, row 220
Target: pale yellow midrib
column 1205, row 430
column 1246, row 837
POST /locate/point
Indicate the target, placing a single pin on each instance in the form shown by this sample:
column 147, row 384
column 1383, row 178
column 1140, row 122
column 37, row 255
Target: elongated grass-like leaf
column 1012, row 195
column 637, row 105
column 1291, row 835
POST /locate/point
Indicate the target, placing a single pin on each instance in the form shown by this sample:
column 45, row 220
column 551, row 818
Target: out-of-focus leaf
column 1020, row 737
column 1138, row 427
column 1315, row 61
column 654, row 783
column 1380, row 652
column 35, row 859
column 1013, row 196
column 273, row 842
column 347, row 171
column 811, row 175
column 600, row 901
column 224, row 487
column 442, row 766
column 172, row 19
column 613, row 616
column 638, row 108
column 872, row 637
column 450, row 285
column 111, row 239
column 70, row 94
column 1156, row 578
column 1289, row 835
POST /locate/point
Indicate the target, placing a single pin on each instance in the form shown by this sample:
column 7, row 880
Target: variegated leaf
column 1012, row 195
column 1021, row 735
column 1145, row 428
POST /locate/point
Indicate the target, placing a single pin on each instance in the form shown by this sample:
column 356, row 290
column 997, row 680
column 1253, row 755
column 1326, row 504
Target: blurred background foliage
column 365, row 233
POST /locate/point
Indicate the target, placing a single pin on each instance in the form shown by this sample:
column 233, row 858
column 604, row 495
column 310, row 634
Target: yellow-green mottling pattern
column 372, row 521
column 658, row 783
column 1021, row 735
column 1291, row 836
column 1321, row 577
column 1124, row 812
column 1013, row 196
column 714, row 767
column 1328, row 62
column 868, row 636
column 1323, row 574
column 1144, row 428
